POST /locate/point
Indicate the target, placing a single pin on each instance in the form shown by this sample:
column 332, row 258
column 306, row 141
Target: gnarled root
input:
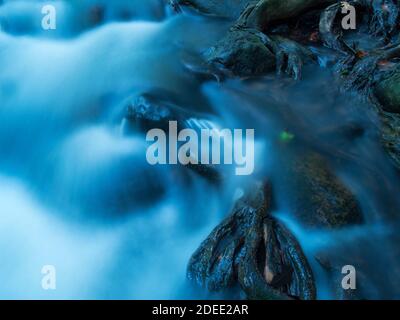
column 291, row 55
column 361, row 73
column 385, row 15
column 362, row 69
column 331, row 37
column 254, row 250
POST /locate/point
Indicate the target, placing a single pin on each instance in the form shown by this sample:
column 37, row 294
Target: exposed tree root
column 362, row 70
column 290, row 55
column 254, row 250
column 385, row 15
column 331, row 37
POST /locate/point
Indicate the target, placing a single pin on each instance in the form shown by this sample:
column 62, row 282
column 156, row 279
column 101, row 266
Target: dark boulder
column 243, row 53
column 223, row 8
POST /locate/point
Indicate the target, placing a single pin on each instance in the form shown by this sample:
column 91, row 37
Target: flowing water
column 78, row 194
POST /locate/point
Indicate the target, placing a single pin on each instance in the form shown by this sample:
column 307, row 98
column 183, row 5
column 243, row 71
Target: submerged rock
column 151, row 110
column 155, row 110
column 251, row 250
column 315, row 195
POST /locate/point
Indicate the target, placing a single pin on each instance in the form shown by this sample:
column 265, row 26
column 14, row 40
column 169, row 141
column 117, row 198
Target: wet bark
column 253, row 250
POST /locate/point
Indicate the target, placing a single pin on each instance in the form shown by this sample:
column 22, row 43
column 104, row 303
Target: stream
column 77, row 193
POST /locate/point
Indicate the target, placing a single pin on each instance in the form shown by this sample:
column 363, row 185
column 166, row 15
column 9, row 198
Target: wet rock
column 150, row 110
column 155, row 110
column 243, row 53
column 248, row 52
column 316, row 196
column 388, row 92
column 390, row 135
column 254, row 251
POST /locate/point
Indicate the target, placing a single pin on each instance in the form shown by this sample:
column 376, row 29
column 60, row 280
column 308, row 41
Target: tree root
column 329, row 36
column 362, row 70
column 254, row 250
column 385, row 15
column 291, row 55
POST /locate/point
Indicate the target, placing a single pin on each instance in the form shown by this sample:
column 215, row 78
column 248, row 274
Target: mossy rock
column 243, row 53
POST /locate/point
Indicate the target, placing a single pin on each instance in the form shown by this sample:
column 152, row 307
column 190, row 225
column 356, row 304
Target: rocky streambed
column 324, row 103
column 252, row 253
